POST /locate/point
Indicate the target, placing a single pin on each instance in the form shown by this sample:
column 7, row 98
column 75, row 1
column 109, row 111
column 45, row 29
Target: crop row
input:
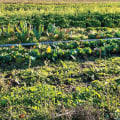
column 76, row 15
column 54, row 52
column 25, row 32
column 83, row 44
column 63, row 20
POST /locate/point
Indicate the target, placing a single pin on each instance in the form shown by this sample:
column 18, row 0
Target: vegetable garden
column 75, row 80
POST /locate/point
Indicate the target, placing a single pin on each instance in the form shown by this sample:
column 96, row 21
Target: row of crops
column 24, row 32
column 81, row 20
column 54, row 52
column 104, row 15
column 35, row 23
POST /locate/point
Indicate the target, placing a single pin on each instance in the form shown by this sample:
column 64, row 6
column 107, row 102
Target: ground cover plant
column 77, row 80
column 56, row 79
column 37, row 91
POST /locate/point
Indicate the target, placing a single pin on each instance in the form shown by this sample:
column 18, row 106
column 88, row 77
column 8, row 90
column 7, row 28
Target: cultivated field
column 76, row 77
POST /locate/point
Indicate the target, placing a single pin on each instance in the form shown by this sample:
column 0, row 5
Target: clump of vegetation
column 44, row 88
column 74, row 80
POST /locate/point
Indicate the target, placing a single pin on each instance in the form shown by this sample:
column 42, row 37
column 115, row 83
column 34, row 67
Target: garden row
column 73, row 15
column 81, row 20
column 24, row 32
column 60, row 51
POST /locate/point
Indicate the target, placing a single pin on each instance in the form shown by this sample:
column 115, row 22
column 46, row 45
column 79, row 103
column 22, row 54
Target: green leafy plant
column 38, row 32
column 23, row 31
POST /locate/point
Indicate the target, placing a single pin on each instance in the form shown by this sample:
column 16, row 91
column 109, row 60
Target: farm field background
column 58, row 22
column 78, row 80
column 54, row 1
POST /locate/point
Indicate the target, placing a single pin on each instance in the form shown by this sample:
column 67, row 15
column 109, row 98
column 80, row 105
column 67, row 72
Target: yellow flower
column 33, row 88
column 49, row 49
column 5, row 97
column 59, row 93
column 118, row 110
column 35, row 107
